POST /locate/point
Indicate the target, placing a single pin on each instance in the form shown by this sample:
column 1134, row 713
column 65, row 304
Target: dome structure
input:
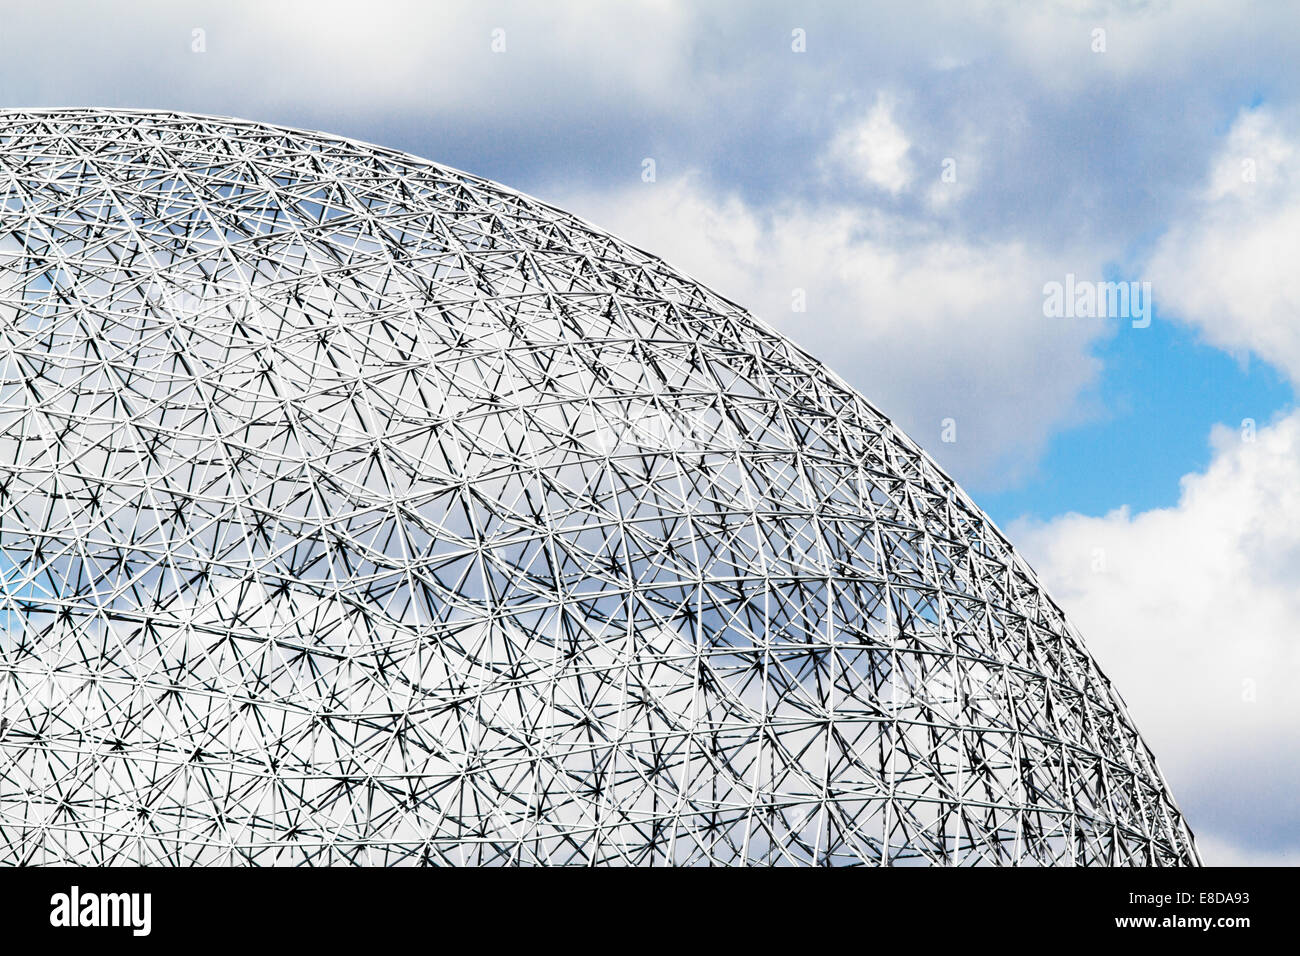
column 354, row 509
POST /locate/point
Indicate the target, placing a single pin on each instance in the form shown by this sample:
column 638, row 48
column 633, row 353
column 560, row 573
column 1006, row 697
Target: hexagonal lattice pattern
column 355, row 509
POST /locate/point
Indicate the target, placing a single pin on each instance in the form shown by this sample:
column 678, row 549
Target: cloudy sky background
column 1115, row 457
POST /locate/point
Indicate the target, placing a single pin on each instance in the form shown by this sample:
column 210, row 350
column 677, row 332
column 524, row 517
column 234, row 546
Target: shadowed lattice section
column 357, row 510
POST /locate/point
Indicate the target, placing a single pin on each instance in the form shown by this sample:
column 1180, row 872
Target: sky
column 917, row 176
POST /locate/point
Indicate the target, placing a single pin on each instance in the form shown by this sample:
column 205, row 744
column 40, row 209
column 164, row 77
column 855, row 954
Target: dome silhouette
column 354, row 509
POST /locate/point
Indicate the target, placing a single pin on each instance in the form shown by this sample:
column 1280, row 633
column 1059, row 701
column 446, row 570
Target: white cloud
column 927, row 326
column 402, row 55
column 1217, row 852
column 874, row 150
column 1229, row 266
column 1059, row 43
column 1192, row 611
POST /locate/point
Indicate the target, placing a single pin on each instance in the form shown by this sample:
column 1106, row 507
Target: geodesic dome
column 354, row 509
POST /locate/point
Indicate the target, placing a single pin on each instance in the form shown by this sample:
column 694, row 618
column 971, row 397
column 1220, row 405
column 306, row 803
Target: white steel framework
column 354, row 509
